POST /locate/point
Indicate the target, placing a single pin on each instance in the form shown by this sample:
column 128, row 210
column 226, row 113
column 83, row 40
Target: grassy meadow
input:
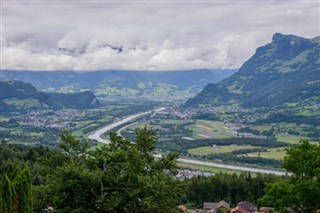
column 206, row 150
column 209, row 129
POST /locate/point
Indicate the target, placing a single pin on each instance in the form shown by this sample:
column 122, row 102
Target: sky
column 93, row 35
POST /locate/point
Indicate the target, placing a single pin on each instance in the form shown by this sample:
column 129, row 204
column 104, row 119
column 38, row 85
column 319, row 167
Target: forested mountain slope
column 20, row 96
column 285, row 71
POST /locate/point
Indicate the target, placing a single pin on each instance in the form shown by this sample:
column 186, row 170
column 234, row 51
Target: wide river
column 96, row 135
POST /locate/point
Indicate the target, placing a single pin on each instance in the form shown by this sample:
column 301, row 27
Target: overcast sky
column 95, row 35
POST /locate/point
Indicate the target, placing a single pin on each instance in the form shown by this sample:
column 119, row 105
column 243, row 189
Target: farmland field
column 274, row 153
column 292, row 139
column 161, row 125
column 206, row 150
column 141, row 125
column 209, row 129
column 263, row 128
column 207, row 168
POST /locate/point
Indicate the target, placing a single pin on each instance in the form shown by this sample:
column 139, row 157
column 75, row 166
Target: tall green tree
column 74, row 149
column 302, row 191
column 118, row 177
column 132, row 179
column 15, row 190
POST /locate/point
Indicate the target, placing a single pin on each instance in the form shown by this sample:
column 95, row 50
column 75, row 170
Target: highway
column 233, row 167
column 96, row 135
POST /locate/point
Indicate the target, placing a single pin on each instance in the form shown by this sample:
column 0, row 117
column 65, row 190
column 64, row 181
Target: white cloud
column 145, row 35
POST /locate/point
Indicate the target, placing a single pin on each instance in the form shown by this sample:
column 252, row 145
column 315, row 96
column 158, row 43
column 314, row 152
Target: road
column 233, row 167
column 97, row 136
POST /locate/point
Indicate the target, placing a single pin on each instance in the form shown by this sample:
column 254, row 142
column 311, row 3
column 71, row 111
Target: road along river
column 97, row 136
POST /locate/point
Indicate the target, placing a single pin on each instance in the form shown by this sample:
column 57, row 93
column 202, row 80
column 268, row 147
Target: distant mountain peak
column 316, row 39
column 280, row 38
column 283, row 71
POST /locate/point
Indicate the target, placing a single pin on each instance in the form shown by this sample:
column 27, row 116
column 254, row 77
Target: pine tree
column 15, row 190
column 6, row 194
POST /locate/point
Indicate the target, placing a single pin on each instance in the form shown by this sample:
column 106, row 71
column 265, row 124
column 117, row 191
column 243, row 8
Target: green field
column 206, row 150
column 173, row 121
column 14, row 131
column 208, row 168
column 209, row 129
column 309, row 111
column 158, row 126
column 36, row 134
column 263, row 128
column 82, row 125
column 141, row 125
column 292, row 139
column 4, row 119
column 274, row 153
column 201, row 129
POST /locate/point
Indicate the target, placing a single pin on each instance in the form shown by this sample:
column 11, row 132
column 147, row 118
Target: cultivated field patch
column 206, row 150
column 274, row 153
column 209, row 129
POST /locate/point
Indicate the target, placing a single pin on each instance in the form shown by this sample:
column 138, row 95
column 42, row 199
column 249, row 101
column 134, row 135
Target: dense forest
column 125, row 177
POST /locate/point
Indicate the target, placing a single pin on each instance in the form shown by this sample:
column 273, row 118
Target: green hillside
column 20, row 96
column 283, row 72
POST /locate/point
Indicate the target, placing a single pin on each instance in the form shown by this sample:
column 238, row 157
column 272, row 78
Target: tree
column 118, row 177
column 302, row 191
column 73, row 147
column 303, row 160
column 15, row 190
column 132, row 180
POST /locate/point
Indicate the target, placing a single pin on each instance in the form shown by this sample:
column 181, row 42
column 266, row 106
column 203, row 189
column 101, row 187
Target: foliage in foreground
column 302, row 191
column 232, row 188
column 119, row 177
column 15, row 189
column 125, row 177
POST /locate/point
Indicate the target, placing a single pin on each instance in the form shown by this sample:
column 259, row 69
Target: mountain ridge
column 287, row 70
column 21, row 96
column 123, row 84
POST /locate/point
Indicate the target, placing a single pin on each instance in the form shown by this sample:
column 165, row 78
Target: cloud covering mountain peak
column 145, row 36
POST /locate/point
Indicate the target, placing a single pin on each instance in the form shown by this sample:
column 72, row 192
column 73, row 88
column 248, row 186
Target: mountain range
column 285, row 72
column 20, row 96
column 122, row 84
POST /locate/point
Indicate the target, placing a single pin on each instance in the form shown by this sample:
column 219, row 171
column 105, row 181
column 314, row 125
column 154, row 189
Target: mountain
column 20, row 96
column 285, row 71
column 114, row 84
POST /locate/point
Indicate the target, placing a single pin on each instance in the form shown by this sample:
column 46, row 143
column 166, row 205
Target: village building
column 244, row 207
column 182, row 208
column 266, row 210
column 209, row 207
column 238, row 209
